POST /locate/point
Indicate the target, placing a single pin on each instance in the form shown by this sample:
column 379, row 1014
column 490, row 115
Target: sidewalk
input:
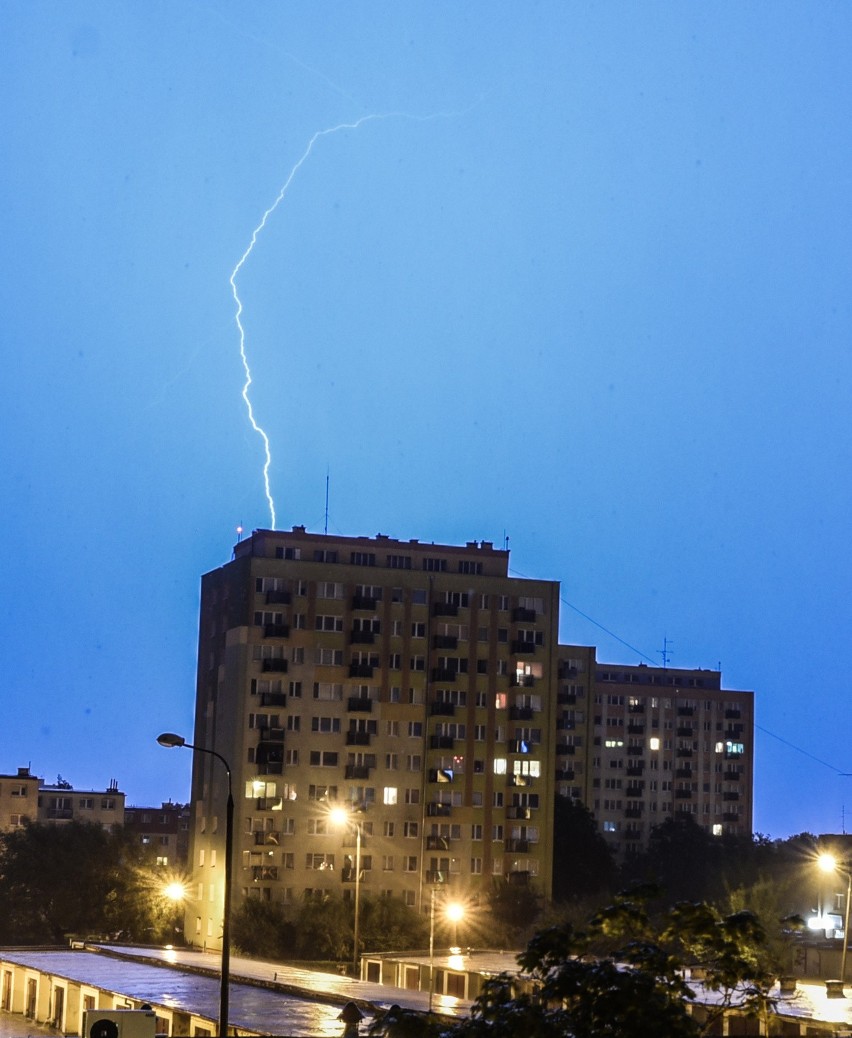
column 13, row 1025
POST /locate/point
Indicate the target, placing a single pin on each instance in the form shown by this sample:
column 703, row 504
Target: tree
column 78, row 878
column 623, row 976
column 515, row 908
column 582, row 861
column 261, row 928
column 388, row 924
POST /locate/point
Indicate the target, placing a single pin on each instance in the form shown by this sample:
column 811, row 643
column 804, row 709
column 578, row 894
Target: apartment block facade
column 408, row 681
column 424, row 688
column 25, row 798
column 639, row 745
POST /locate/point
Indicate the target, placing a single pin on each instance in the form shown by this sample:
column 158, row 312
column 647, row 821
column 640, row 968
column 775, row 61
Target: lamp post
column 453, row 912
column 169, row 740
column 828, row 863
column 341, row 816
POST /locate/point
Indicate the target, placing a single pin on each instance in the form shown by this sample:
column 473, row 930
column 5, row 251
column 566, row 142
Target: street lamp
column 342, row 816
column 170, row 740
column 454, row 912
column 828, row 863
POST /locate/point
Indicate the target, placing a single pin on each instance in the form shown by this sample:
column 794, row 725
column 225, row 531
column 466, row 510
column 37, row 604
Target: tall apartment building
column 641, row 744
column 410, row 681
column 423, row 686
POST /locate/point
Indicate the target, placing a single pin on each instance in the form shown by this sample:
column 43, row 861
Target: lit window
column 389, row 795
column 654, row 743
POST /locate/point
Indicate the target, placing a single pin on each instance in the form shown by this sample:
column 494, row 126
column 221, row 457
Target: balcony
column 276, row 630
column 683, row 773
column 437, row 843
column 362, row 637
column 731, row 775
column 523, row 648
column 635, row 751
column 270, row 767
column 519, row 812
column 518, row 846
column 359, row 704
column 437, row 876
column 442, row 710
column 363, row 602
column 519, row 877
column 60, row 812
column 733, row 715
column 519, row 746
column 267, row 839
column 268, row 804
column 685, row 731
column 445, row 609
column 685, row 711
column 347, row 874
column 356, row 771
column 274, row 735
column 682, row 751
column 564, row 774
column 564, row 725
column 636, row 729
column 442, row 775
column 273, row 699
column 525, row 681
column 276, row 666
column 636, row 767
column 565, row 751
column 445, row 641
column 444, row 674
column 634, row 811
column 730, row 816
column 357, row 738
column 264, row 872
column 438, row 810
column 278, row 598
column 523, row 616
column 636, row 708
column 683, row 794
column 360, row 670
column 520, row 713
column 566, row 698
column 731, row 796
column 520, row 781
column 634, row 791
column 441, row 742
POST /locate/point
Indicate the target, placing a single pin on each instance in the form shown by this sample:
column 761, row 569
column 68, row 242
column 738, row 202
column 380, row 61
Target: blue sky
column 585, row 285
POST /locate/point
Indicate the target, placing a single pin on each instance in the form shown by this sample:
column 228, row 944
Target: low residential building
column 18, row 799
column 165, row 829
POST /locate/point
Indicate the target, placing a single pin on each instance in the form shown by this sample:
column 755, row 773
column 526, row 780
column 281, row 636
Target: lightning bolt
column 250, row 248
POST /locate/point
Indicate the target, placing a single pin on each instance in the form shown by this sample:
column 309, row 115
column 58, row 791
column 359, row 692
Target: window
column 296, row 689
column 108, row 804
column 362, row 558
column 409, row 863
column 411, row 830
column 325, row 555
column 418, row 596
column 389, row 795
column 322, row 793
column 414, row 762
column 328, row 589
column 415, row 729
column 392, row 761
column 412, row 796
column 293, row 723
column 327, row 691
column 476, row 832
column 468, row 566
column 399, row 562
column 329, row 623
column 432, row 565
column 392, row 728
column 496, row 832
column 323, row 759
column 329, row 657
column 476, row 866
column 418, row 630
column 319, row 861
column 325, row 725
column 317, row 827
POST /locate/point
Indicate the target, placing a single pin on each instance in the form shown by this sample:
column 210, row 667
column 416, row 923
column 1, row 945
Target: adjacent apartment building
column 25, row 797
column 425, row 689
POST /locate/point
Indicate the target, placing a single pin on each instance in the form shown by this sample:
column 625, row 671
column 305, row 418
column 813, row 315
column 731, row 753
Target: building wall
column 412, row 680
column 60, row 804
column 652, row 744
column 164, row 829
column 18, row 799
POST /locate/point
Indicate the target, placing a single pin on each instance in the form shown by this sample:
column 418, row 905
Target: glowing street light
column 828, row 863
column 175, row 891
column 453, row 912
column 342, row 816
column 170, row 740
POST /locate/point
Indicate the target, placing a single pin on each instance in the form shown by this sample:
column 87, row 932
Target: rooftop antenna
column 664, row 652
column 505, row 541
column 325, row 530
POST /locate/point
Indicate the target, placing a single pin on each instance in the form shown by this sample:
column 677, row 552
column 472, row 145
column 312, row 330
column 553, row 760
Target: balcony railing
column 520, row 713
column 360, row 670
column 445, row 641
column 264, row 872
column 275, row 735
column 357, row 771
column 274, row 666
column 518, row 846
column 441, row 742
column 273, row 699
column 362, row 637
column 359, row 704
column 523, row 616
column 357, row 738
column 445, row 609
column 276, row 630
column 267, row 839
column 528, row 681
column 445, row 674
column 363, row 602
column 523, row 648
column 437, row 843
column 277, row 597
column 438, row 810
column 518, row 812
column 442, row 709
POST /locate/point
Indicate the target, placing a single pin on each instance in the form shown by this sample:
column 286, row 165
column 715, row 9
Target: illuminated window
column 654, row 743
column 389, row 795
